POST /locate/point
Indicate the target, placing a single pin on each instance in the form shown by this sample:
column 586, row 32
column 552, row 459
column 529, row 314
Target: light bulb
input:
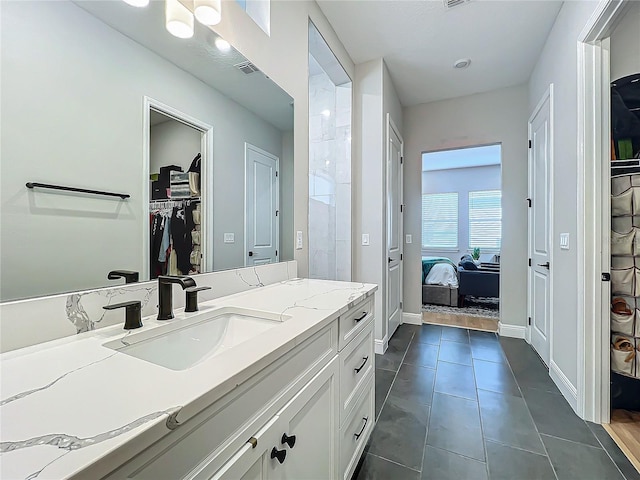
column 208, row 12
column 222, row 44
column 178, row 18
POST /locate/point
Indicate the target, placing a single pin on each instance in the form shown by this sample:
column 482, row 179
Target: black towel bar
column 74, row 189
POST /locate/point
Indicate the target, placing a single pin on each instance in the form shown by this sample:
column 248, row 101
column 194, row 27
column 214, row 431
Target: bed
column 439, row 281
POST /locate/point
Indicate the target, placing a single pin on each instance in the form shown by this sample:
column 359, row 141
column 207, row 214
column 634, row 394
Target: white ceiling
column 420, row 41
column 199, row 57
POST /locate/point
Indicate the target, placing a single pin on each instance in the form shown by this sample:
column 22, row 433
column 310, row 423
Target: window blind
column 440, row 220
column 485, row 219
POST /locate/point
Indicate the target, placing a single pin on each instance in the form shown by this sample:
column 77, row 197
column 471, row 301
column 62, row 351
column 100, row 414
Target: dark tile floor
column 459, row 404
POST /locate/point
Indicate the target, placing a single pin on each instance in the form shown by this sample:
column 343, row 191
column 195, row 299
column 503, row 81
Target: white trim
column 380, row 346
column 568, row 390
column 548, row 94
column 512, row 331
column 206, row 173
column 248, row 146
column 412, row 318
column 593, row 390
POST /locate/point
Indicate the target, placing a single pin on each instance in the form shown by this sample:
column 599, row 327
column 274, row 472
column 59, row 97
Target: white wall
column 558, row 65
column 625, row 44
column 52, row 91
column 375, row 96
column 462, row 181
column 286, row 197
column 173, row 143
column 486, row 118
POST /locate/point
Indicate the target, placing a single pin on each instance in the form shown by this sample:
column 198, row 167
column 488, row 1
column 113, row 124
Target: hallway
column 462, row 404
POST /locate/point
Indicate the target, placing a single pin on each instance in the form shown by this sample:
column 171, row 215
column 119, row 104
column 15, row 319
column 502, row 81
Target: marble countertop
column 73, row 406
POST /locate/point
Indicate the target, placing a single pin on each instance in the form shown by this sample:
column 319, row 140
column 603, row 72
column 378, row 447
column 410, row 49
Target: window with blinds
column 440, row 221
column 485, row 219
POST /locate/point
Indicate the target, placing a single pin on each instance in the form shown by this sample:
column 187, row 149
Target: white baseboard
column 380, row 346
column 412, row 318
column 513, row 331
column 568, row 390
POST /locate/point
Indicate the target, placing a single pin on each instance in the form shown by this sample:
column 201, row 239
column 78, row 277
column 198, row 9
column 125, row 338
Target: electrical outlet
column 229, row 238
column 564, row 241
column 365, row 239
column 408, row 238
column 298, row 240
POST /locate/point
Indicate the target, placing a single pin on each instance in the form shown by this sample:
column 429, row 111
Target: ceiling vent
column 246, row 67
column 454, row 3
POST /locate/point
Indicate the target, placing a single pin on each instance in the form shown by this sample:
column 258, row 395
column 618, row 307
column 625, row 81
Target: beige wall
column 486, row 118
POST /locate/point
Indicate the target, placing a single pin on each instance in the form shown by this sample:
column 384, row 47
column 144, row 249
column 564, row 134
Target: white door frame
column 392, row 126
column 206, row 176
column 248, row 146
column 593, row 211
column 548, row 94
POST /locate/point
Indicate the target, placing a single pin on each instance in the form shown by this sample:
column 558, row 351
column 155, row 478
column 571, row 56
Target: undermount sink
column 182, row 344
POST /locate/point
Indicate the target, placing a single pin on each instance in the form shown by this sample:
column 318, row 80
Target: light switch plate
column 229, row 238
column 365, row 239
column 564, row 241
column 299, row 240
column 408, row 238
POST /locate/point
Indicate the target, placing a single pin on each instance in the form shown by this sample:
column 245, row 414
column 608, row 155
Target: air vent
column 454, row 3
column 247, row 67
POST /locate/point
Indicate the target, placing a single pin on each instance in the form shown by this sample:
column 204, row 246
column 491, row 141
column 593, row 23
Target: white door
column 261, row 200
column 540, row 230
column 394, row 229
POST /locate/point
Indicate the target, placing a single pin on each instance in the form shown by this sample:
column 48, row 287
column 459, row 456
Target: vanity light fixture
column 222, row 44
column 208, row 12
column 178, row 19
column 137, row 3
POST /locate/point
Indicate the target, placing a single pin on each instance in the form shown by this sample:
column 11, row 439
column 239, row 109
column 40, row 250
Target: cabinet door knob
column 291, row 441
column 279, row 454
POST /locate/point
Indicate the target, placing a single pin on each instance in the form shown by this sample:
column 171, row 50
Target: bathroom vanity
column 274, row 382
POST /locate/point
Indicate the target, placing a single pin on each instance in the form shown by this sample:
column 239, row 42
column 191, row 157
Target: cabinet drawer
column 356, row 364
column 356, row 430
column 353, row 321
column 211, row 437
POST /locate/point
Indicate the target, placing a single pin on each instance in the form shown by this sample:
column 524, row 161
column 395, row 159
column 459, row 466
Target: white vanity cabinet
column 318, row 393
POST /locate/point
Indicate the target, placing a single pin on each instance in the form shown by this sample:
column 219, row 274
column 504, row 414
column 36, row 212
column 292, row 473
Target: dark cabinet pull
column 251, row 254
column 363, row 364
column 357, row 435
column 289, row 440
column 364, row 314
column 279, row 454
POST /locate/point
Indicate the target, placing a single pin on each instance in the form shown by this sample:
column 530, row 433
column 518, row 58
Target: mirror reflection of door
column 262, row 187
column 176, row 209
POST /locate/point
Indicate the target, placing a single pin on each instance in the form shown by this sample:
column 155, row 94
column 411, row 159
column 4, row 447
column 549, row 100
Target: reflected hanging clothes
column 181, row 227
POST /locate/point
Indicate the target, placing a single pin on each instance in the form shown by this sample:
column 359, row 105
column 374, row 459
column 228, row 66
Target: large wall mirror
column 97, row 95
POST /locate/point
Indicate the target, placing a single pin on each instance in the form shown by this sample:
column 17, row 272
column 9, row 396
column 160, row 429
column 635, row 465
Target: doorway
column 395, row 235
column 540, row 291
column 177, row 166
column 262, row 193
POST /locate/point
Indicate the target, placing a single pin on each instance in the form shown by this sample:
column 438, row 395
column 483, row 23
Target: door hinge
column 401, row 208
column 606, row 277
column 277, row 211
column 529, row 202
column 400, row 256
column 401, row 160
column 529, row 320
column 530, row 143
column 276, row 253
column 276, row 173
column 400, row 305
column 529, row 262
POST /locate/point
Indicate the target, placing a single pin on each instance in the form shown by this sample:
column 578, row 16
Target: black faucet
column 191, row 301
column 132, row 315
column 165, row 299
column 128, row 275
